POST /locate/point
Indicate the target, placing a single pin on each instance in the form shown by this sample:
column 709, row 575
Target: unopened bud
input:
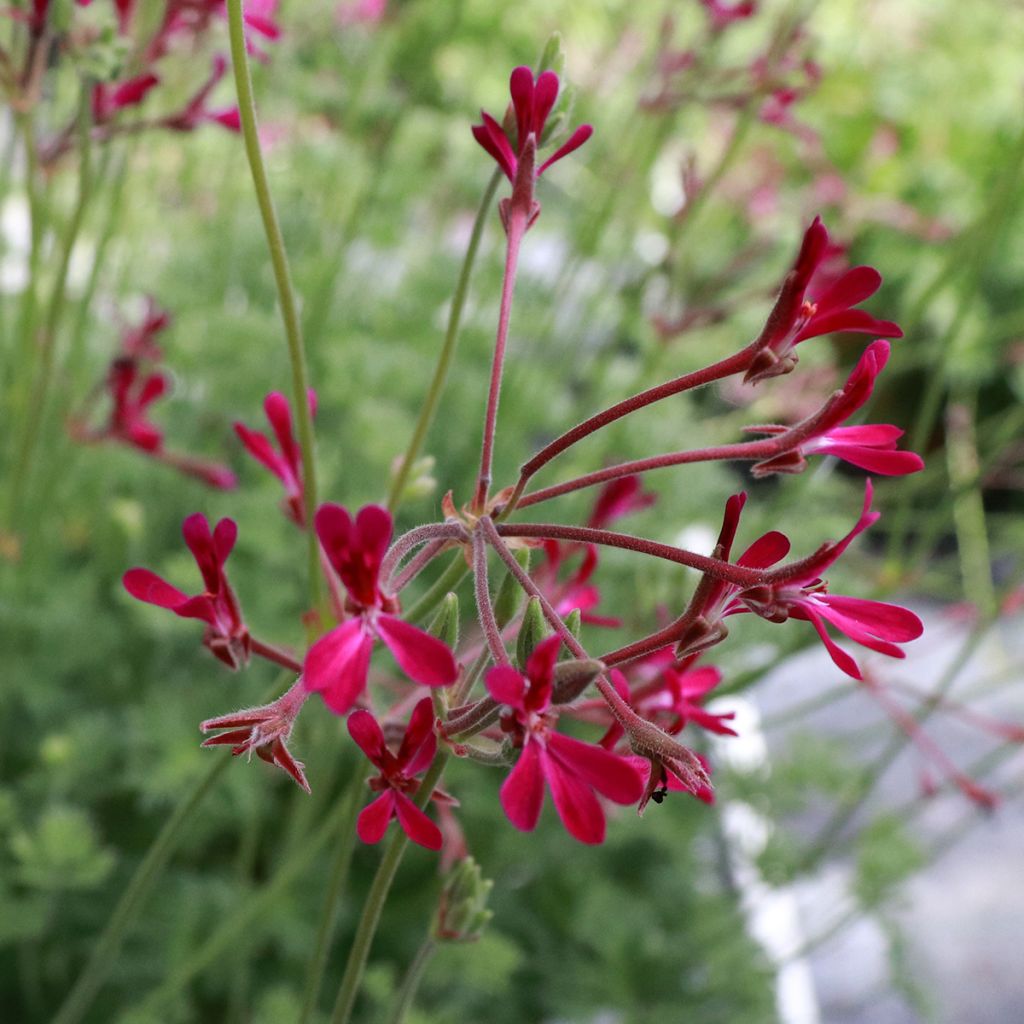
column 532, row 631
column 510, row 593
column 573, row 677
column 462, row 910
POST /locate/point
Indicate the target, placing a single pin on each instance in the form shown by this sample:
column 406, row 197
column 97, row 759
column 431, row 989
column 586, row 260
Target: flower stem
column 515, row 229
column 444, row 359
column 375, row 898
column 446, row 582
column 411, row 982
column 275, row 654
column 285, row 290
column 485, row 610
column 332, row 900
column 47, row 340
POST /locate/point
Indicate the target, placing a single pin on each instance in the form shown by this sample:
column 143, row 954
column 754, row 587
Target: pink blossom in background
column 361, row 12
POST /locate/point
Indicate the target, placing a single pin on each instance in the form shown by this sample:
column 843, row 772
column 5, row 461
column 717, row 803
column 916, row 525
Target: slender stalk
column 411, row 981
column 484, row 607
column 446, row 582
column 515, row 229
column 275, row 654
column 47, row 341
column 736, row 574
column 416, row 565
column 444, row 358
column 332, row 901
column 105, row 949
column 408, row 541
column 375, row 898
column 285, row 291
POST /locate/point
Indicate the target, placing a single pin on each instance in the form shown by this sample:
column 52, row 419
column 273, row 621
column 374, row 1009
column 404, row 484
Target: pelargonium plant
column 504, row 693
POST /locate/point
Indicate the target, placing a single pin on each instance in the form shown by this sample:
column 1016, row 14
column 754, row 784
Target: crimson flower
column 799, row 592
column 286, row 462
column 619, row 498
column 131, row 395
column 795, row 319
column 573, row 770
column 871, row 446
column 263, row 730
column 572, row 592
column 336, row 665
column 676, row 697
column 108, row 99
column 722, row 15
column 226, row 634
column 532, row 100
column 397, row 778
column 140, row 342
column 196, row 111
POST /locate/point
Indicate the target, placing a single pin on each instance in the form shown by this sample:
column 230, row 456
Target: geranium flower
column 337, row 664
column 574, row 771
column 131, row 395
column 722, row 15
column 619, row 498
column 286, row 462
column 139, row 342
column 263, row 730
column 226, row 634
column 196, row 112
column 795, row 319
column 397, row 778
column 871, row 446
column 108, row 99
column 572, row 592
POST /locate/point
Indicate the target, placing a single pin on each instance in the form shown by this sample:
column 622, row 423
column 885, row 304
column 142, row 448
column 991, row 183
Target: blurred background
column 846, row 872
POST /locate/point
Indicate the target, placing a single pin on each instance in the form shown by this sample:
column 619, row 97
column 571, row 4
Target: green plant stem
column 375, row 899
column 285, row 291
column 447, row 581
column 55, row 307
column 332, row 900
column 106, row 947
column 444, row 359
column 411, row 981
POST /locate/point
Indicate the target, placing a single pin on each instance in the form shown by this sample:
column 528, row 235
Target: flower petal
column 337, row 664
column 369, row 736
column 416, row 825
column 373, row 818
column 145, row 585
column 417, row 739
column 423, row 657
column 522, row 793
column 609, row 774
column 575, row 802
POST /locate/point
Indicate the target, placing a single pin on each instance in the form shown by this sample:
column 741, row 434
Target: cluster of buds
column 134, row 380
column 501, row 692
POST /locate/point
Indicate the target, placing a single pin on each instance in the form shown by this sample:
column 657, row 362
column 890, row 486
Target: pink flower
column 722, row 15
column 258, row 16
column 397, row 778
column 799, row 592
column 794, row 319
column 676, row 698
column 226, row 634
column 573, row 592
column 361, row 12
column 871, row 447
column 572, row 770
column 532, row 101
column 131, row 395
column 196, row 112
column 286, row 462
column 666, row 775
column 337, row 664
column 108, row 99
column 619, row 498
column 139, row 342
column 264, row 730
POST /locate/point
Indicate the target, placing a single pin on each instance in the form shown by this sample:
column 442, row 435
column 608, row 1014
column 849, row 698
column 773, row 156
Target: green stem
column 375, row 898
column 411, row 982
column 332, row 899
column 47, row 342
column 447, row 581
column 106, row 948
column 285, row 291
column 444, row 359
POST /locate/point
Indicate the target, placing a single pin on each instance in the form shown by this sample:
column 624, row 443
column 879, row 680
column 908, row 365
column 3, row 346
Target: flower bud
column 533, row 630
column 462, row 910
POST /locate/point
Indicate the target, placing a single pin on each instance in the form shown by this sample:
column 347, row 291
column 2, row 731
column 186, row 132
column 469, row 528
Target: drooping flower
column 197, row 112
column 139, row 342
column 263, row 730
column 131, row 395
column 397, row 778
column 619, row 498
column 226, row 634
column 666, row 775
column 286, row 462
column 574, row 771
column 109, row 98
column 799, row 592
column 337, row 664
column 571, row 590
column 795, row 319
column 532, row 101
column 871, row 446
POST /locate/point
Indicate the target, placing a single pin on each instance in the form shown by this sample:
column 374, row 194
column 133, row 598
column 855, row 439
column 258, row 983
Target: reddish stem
column 735, row 574
column 515, row 229
column 277, row 655
column 485, row 610
column 417, row 564
column 412, row 539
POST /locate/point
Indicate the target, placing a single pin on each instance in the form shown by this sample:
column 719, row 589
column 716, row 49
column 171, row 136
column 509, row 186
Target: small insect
column 659, row 794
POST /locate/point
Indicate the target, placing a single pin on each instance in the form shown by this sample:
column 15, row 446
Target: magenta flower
column 573, row 591
column 722, row 15
column 131, row 396
column 397, row 778
column 286, row 462
column 572, row 770
column 532, row 101
column 799, row 592
column 619, row 498
column 263, row 730
column 336, row 665
column 139, row 342
column 196, row 112
column 676, row 697
column 226, row 634
column 871, row 447
column 108, row 99
column 795, row 319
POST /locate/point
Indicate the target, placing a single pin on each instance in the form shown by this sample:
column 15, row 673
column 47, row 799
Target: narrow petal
column 367, row 733
column 334, row 528
column 520, row 86
column 416, row 825
column 611, row 775
column 418, row 733
column 145, row 585
column 838, row 655
column 540, row 670
column 496, row 145
column 545, row 92
column 225, row 533
column 337, row 664
column 522, row 793
column 765, row 551
column 423, row 657
column 851, row 289
column 575, row 802
column 279, row 415
column 857, row 321
column 574, row 142
column 874, row 460
column 374, row 818
column 257, row 445
column 506, row 686
column 887, row 621
column 196, row 531
column 372, row 535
